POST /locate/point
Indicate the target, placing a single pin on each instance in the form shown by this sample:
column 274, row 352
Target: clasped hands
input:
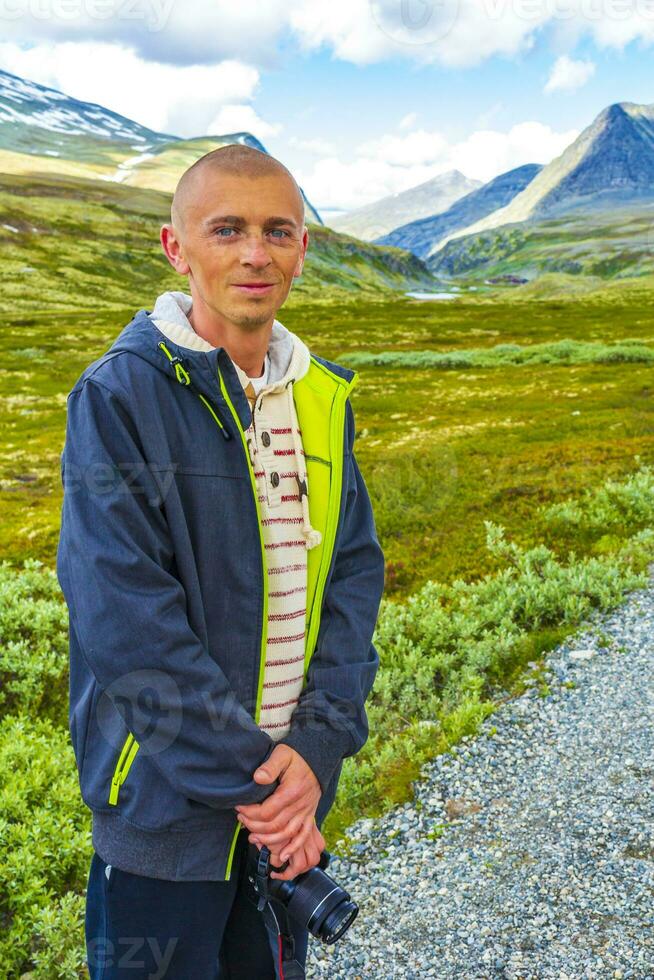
column 285, row 821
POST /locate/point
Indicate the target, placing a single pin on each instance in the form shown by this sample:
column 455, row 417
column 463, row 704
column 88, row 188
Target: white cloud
column 181, row 32
column 184, row 101
column 462, row 33
column 238, row 118
column 487, row 153
column 393, row 164
column 449, row 32
column 454, row 33
column 333, row 183
column 568, row 75
column 415, row 149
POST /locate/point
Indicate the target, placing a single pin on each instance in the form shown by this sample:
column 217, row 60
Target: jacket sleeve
column 329, row 722
column 128, row 611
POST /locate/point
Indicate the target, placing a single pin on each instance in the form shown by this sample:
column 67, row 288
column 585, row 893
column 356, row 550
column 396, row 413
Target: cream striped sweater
column 275, row 444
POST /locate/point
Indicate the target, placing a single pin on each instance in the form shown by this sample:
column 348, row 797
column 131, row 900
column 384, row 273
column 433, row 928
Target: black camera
column 313, row 898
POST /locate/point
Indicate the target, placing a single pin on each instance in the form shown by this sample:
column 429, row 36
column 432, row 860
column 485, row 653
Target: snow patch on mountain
column 27, row 103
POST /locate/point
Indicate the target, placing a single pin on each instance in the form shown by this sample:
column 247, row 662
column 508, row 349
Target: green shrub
column 616, row 506
column 556, row 352
column 45, row 852
column 33, row 642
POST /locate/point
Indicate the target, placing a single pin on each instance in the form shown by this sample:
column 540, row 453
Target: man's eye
column 219, row 231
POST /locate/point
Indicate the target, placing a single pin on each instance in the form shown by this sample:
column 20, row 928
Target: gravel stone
column 545, row 869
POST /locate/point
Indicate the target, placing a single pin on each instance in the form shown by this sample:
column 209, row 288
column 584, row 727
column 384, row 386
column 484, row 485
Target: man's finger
column 297, row 865
column 285, row 795
column 278, row 837
column 303, row 859
column 279, row 822
column 299, row 840
column 312, row 853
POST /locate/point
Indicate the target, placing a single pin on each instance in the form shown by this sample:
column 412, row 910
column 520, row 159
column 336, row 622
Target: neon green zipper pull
column 129, row 750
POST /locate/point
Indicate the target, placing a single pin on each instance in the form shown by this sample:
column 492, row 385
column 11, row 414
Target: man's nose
column 254, row 250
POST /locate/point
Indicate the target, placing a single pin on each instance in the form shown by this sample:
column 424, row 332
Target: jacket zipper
column 125, row 760
column 264, row 569
column 334, row 509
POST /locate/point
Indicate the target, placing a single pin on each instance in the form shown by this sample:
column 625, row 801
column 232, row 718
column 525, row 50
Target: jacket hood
column 194, row 358
column 288, row 356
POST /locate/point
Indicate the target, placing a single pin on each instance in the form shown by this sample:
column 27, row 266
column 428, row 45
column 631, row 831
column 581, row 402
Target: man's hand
column 285, row 821
column 302, row 859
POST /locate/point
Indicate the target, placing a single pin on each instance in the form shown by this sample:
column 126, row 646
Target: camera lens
column 340, row 919
column 323, row 906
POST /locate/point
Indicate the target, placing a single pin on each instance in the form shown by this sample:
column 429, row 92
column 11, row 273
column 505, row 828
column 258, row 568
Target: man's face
column 239, row 231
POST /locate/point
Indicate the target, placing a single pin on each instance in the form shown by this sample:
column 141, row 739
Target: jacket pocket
column 125, row 760
column 120, row 777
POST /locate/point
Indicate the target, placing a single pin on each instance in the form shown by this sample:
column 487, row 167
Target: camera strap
column 287, row 966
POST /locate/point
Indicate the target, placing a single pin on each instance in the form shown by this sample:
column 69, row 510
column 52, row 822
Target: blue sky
column 359, row 98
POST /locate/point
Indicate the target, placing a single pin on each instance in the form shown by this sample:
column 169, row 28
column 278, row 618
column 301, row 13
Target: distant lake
column 432, row 295
column 451, row 294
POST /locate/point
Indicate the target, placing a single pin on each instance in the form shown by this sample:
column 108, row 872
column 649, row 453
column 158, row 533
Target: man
column 223, row 576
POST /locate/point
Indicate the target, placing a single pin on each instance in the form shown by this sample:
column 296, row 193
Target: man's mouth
column 255, row 288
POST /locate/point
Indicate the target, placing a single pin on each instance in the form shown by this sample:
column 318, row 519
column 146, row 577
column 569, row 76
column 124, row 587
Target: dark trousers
column 140, row 928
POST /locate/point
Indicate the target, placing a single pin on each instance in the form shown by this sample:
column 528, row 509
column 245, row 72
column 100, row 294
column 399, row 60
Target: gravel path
column 544, row 867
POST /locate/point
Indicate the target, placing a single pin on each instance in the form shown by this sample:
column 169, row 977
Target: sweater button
column 265, row 438
column 274, row 479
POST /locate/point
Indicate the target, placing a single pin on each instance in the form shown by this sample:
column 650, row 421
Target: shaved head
column 235, row 159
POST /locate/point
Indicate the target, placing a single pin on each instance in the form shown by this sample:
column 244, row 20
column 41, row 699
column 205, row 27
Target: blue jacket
column 160, row 562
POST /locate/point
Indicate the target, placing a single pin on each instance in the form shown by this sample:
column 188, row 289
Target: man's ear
column 173, row 250
column 300, row 261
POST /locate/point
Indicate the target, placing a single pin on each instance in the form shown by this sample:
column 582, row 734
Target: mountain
column 381, row 217
column 609, row 165
column 45, row 131
column 38, row 120
column 422, row 237
column 590, row 245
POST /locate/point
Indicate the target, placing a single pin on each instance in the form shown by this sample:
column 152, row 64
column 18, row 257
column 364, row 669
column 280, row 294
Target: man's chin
column 251, row 319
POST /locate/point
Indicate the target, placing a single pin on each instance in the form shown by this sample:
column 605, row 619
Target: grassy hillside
column 162, row 169
column 70, row 243
column 12, row 162
column 607, row 244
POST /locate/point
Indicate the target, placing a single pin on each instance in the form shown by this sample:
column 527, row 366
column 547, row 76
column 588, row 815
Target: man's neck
column 247, row 349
